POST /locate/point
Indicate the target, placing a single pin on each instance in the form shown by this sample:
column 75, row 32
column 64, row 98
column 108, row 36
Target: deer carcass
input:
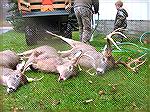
column 90, row 57
column 39, row 53
column 100, row 61
column 46, row 58
column 10, row 76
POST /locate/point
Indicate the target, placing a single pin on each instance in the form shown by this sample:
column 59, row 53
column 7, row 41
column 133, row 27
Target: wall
column 134, row 26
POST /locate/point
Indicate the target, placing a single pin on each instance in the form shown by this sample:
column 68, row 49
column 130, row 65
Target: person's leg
column 86, row 19
column 79, row 19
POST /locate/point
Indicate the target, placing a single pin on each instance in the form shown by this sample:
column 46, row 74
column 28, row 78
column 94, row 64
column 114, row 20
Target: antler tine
column 135, row 61
column 138, row 59
column 142, row 62
column 109, row 38
column 119, row 33
column 34, row 79
column 120, row 29
column 114, row 33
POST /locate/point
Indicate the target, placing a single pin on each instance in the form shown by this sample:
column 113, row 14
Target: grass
column 124, row 91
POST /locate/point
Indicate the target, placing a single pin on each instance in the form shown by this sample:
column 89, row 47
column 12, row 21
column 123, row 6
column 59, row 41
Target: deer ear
column 20, row 66
column 76, row 57
column 104, row 49
column 26, row 67
column 23, row 79
column 36, row 53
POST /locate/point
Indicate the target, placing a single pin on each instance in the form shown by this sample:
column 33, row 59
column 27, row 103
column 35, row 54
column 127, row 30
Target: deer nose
column 10, row 90
column 61, row 78
column 99, row 71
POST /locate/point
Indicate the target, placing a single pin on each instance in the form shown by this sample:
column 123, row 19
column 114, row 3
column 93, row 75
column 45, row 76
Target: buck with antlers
column 100, row 61
column 46, row 58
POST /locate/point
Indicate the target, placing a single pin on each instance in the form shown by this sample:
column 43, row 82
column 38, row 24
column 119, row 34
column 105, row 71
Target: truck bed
column 51, row 13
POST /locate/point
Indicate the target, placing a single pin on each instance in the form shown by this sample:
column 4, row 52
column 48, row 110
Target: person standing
column 121, row 17
column 83, row 11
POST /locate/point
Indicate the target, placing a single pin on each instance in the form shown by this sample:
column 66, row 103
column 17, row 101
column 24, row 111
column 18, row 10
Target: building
column 138, row 10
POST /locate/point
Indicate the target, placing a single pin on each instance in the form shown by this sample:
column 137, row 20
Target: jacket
column 120, row 20
column 88, row 4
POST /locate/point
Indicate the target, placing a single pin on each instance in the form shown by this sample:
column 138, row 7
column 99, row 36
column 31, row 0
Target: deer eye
column 103, row 59
column 70, row 67
column 17, row 76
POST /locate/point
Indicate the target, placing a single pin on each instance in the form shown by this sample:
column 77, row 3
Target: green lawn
column 123, row 90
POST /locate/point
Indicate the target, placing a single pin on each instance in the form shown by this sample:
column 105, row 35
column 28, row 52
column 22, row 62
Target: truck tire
column 30, row 35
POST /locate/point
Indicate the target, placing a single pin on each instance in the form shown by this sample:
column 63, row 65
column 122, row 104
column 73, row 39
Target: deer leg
column 34, row 79
column 26, row 53
column 65, row 53
column 62, row 52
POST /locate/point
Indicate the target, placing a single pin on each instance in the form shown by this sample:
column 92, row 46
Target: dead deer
column 90, row 58
column 46, row 59
column 39, row 53
column 100, row 61
column 10, row 76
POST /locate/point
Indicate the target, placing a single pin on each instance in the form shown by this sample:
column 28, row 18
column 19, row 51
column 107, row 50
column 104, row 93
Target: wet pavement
column 5, row 29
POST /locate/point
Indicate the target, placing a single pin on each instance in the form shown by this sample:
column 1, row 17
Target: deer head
column 107, row 61
column 68, row 68
column 13, row 78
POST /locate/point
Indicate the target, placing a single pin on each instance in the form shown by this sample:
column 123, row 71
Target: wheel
column 30, row 35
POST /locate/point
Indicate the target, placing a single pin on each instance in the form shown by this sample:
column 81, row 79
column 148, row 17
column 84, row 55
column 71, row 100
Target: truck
column 42, row 15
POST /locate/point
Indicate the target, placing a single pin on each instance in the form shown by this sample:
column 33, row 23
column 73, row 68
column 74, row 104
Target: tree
column 15, row 16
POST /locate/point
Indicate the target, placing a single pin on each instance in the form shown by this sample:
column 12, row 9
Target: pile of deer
column 48, row 59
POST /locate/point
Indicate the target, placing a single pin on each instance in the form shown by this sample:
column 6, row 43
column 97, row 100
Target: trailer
column 42, row 15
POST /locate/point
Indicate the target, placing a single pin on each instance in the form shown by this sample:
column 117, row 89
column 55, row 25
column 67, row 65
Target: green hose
column 142, row 36
column 124, row 50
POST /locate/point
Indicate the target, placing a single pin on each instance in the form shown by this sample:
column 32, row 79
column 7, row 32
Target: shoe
column 87, row 42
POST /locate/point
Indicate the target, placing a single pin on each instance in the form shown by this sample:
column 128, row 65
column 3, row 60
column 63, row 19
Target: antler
column 115, row 32
column 137, row 62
